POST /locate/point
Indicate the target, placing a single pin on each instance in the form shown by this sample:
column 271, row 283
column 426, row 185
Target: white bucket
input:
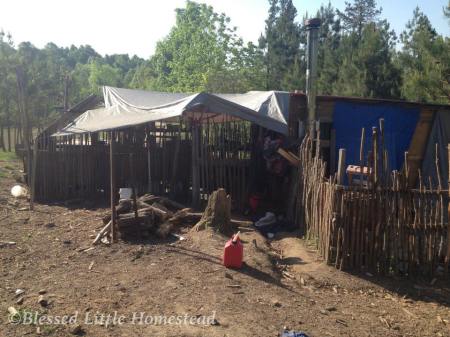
column 125, row 193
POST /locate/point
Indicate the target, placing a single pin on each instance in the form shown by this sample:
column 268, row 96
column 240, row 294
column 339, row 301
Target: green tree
column 101, row 74
column 367, row 68
column 7, row 88
column 281, row 44
column 357, row 14
column 197, row 47
column 329, row 56
column 425, row 60
column 447, row 12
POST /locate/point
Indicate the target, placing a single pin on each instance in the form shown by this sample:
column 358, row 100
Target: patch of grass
column 7, row 156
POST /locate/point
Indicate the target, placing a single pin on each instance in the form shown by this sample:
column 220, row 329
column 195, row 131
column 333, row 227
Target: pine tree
column 358, row 14
column 447, row 12
column 328, row 55
column 425, row 61
column 281, row 44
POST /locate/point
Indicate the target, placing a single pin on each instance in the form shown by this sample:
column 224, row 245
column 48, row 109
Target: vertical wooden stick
column 376, row 173
column 113, row 187
column 383, row 164
column 447, row 257
column 341, row 166
column 133, row 185
column 149, row 162
column 33, row 174
column 361, row 155
column 195, row 168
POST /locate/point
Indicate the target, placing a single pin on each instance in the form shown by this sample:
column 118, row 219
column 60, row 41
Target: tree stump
column 217, row 213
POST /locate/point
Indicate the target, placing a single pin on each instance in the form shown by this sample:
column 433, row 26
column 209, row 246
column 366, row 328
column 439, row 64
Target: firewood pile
column 152, row 215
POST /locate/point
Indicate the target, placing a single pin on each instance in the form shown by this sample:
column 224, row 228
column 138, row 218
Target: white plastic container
column 19, row 191
column 125, row 193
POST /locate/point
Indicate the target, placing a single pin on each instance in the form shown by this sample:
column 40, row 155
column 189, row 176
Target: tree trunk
column 2, row 139
column 217, row 213
column 8, row 125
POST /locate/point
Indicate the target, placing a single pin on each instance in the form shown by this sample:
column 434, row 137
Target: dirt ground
column 282, row 284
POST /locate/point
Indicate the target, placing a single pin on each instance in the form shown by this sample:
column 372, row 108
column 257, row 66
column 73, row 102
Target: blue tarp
column 400, row 123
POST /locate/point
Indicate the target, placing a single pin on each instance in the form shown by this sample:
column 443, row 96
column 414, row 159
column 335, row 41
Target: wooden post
column 195, row 166
column 133, row 185
column 383, row 164
column 361, row 155
column 376, row 173
column 341, row 167
column 447, row 257
column 113, row 186
column 33, row 174
column 25, row 124
column 173, row 181
column 333, row 152
column 149, row 163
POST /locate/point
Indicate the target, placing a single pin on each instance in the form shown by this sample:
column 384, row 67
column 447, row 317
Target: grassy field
column 7, row 156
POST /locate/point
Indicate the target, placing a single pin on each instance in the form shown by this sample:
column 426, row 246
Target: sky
column 134, row 26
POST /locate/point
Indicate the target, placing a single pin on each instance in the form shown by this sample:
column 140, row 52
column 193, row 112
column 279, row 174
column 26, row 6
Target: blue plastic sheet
column 400, row 122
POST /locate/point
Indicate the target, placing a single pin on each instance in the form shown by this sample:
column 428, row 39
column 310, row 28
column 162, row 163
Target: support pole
column 361, row 156
column 447, row 257
column 375, row 152
column 25, row 126
column 195, row 166
column 33, row 174
column 149, row 163
column 113, row 186
column 133, row 185
column 383, row 174
column 341, row 167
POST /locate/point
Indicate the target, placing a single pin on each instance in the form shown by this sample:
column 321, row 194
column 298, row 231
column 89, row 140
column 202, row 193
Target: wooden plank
column 195, row 166
column 419, row 142
column 341, row 166
column 113, row 186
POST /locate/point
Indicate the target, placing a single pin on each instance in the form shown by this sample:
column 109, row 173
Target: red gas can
column 233, row 252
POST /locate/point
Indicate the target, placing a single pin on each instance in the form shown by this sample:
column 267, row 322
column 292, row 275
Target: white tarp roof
column 129, row 107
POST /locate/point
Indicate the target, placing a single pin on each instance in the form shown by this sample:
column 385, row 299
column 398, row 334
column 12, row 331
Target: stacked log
column 156, row 215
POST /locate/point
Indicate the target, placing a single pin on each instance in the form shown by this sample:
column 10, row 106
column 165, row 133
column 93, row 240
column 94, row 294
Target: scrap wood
column 162, row 208
column 102, row 232
column 164, row 230
column 148, row 211
column 150, row 199
column 179, row 237
column 384, row 320
column 241, row 223
column 129, row 219
column 289, row 156
column 285, row 273
column 409, row 313
column 124, row 206
column 7, row 243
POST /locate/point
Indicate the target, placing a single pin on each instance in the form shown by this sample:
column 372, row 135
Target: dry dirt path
column 282, row 283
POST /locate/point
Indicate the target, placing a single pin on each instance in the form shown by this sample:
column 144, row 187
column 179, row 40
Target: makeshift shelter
column 410, row 127
column 155, row 131
column 181, row 145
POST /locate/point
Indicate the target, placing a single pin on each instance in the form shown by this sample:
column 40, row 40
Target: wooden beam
column 447, row 257
column 289, row 156
column 195, row 165
column 419, row 143
column 341, row 167
column 113, row 186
